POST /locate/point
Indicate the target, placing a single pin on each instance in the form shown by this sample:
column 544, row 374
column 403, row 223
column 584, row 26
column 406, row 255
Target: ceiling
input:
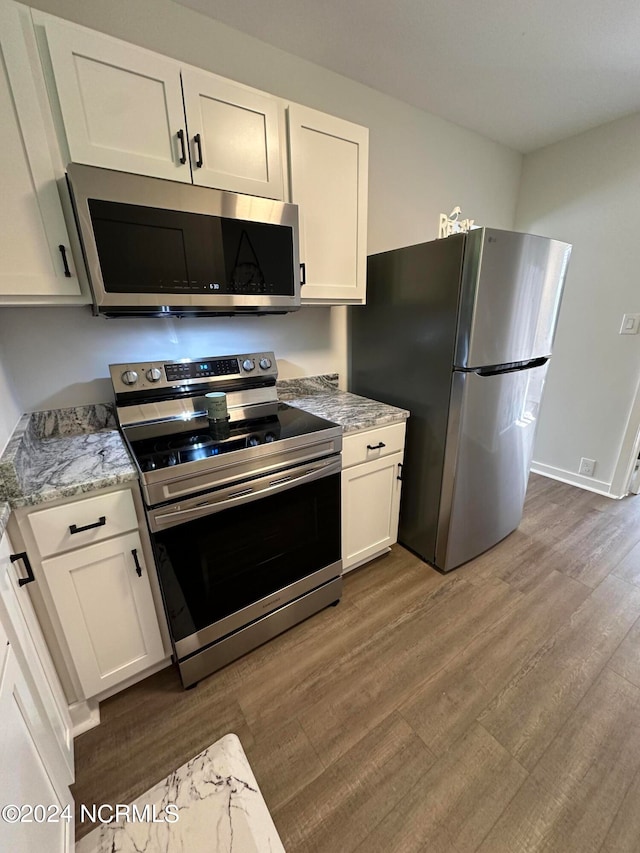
column 523, row 74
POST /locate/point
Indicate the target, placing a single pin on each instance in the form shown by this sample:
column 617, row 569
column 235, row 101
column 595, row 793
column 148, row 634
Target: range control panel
column 148, row 375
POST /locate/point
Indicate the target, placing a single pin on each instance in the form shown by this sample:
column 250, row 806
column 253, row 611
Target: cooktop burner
column 183, row 442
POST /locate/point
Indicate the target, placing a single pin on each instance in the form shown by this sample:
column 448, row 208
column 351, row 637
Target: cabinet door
column 370, row 509
column 329, row 169
column 121, row 105
column 25, row 778
column 233, row 135
column 33, row 233
column 104, row 602
column 21, row 623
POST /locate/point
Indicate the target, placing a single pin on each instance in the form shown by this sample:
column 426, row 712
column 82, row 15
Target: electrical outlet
column 587, row 467
column 630, row 324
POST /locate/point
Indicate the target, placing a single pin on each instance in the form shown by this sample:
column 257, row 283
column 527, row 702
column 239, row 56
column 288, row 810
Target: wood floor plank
column 463, row 795
column 626, row 660
column 574, row 793
column 339, row 808
column 285, row 762
column 444, row 707
column 624, row 833
column 528, row 713
column 593, row 548
column 407, row 655
column 629, row 567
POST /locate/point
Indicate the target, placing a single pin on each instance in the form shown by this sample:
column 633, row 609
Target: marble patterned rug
column 212, row 803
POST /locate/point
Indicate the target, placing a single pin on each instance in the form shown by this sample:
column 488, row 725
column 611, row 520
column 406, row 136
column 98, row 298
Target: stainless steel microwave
column 159, row 248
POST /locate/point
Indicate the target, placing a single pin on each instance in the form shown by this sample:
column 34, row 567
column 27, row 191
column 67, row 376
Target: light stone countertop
column 68, row 452
column 62, row 454
column 321, row 396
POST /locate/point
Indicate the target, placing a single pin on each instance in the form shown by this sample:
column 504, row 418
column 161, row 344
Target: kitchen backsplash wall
column 419, row 166
column 61, row 355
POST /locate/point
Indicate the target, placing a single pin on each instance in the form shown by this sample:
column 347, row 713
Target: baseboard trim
column 599, row 487
column 84, row 715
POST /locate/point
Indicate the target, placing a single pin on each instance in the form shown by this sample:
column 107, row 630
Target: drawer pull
column 99, row 523
column 134, row 552
column 399, row 477
column 25, row 559
column 376, row 446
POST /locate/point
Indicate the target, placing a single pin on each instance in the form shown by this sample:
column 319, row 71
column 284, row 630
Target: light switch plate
column 630, row 324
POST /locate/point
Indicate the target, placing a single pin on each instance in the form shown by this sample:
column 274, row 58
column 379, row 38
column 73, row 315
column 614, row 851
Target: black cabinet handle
column 180, row 135
column 65, row 262
column 99, row 523
column 134, row 552
column 198, row 143
column 25, row 559
column 303, row 274
column 399, row 477
column 376, row 446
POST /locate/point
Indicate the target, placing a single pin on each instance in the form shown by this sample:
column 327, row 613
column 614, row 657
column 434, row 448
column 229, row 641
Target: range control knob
column 154, row 374
column 129, row 377
column 248, row 364
column 265, row 363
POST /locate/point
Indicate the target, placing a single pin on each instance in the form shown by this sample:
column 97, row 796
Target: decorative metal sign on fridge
column 452, row 224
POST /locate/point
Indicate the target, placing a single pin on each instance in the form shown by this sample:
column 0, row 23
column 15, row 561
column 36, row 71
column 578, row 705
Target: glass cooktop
column 168, row 444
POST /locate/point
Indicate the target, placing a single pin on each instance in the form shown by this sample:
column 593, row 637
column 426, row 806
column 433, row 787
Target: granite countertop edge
column 321, row 396
column 5, row 512
column 64, row 453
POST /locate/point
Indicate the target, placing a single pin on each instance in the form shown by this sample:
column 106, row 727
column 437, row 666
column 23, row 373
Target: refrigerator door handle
column 495, row 370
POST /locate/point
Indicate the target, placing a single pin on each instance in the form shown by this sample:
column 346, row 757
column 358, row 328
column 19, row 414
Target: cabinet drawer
column 61, row 528
column 372, row 444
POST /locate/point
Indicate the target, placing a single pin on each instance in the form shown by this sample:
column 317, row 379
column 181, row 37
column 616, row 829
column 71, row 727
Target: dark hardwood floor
column 496, row 708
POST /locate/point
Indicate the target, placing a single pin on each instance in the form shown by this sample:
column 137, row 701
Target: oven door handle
column 262, row 487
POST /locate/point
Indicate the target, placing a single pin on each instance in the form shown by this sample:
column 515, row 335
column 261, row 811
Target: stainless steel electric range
column 244, row 511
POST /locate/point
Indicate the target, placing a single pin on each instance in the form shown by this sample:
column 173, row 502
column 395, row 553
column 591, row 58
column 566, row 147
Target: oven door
column 232, row 556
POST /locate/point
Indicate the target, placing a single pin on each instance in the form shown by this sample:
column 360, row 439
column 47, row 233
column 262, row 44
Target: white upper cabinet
column 122, row 108
column 328, row 171
column 121, row 105
column 233, row 135
column 35, row 255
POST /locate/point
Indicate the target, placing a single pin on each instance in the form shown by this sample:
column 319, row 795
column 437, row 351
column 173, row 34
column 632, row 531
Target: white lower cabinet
column 25, row 778
column 371, row 493
column 36, row 749
column 104, row 603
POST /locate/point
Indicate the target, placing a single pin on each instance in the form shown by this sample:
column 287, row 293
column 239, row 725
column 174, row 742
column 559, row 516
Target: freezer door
column 511, row 289
column 489, row 447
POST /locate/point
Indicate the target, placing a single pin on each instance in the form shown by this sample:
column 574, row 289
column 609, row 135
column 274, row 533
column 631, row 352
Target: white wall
column 10, row 409
column 420, row 165
column 587, row 190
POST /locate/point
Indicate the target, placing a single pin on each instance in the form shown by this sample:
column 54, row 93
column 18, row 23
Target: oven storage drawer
column 83, row 522
column 372, row 444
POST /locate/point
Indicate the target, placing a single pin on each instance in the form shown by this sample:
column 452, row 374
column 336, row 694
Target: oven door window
column 214, row 566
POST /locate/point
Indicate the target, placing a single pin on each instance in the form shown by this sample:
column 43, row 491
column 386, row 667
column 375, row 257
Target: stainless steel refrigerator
column 459, row 331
